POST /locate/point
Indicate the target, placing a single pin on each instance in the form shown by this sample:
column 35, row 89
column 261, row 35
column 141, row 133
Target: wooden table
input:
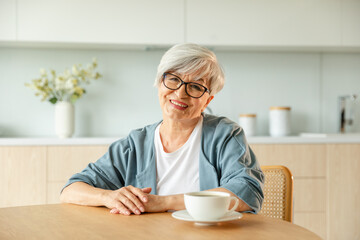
column 67, row 221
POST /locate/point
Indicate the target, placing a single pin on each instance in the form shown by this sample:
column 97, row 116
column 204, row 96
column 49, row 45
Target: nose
column 181, row 93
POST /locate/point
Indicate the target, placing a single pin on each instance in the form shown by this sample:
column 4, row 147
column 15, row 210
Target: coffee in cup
column 209, row 205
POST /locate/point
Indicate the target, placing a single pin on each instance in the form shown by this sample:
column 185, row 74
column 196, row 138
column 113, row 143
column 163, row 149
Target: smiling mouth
column 178, row 104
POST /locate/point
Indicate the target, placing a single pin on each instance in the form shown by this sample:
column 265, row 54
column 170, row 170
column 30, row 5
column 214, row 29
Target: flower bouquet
column 68, row 86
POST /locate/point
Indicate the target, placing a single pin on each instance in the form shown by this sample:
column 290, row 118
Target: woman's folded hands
column 131, row 200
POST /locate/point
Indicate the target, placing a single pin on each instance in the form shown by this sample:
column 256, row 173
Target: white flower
column 59, row 84
column 67, row 74
column 69, row 84
column 43, row 72
column 66, row 86
column 75, row 70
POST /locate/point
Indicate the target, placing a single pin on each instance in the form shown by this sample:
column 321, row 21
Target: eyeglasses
column 192, row 89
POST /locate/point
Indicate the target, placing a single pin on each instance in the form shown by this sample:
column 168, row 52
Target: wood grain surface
column 67, row 221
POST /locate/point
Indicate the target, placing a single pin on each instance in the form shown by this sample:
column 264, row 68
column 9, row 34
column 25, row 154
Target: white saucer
column 185, row 216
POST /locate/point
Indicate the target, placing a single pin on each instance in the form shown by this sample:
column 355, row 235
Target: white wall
column 126, row 99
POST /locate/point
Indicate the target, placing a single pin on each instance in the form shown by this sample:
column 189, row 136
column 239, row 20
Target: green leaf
column 73, row 98
column 53, row 100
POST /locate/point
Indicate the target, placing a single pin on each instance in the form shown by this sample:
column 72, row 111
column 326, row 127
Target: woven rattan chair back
column 278, row 193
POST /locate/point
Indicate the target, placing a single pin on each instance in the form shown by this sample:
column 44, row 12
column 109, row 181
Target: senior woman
column 151, row 169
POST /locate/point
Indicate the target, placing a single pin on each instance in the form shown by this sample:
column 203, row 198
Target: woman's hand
column 127, row 200
column 156, row 203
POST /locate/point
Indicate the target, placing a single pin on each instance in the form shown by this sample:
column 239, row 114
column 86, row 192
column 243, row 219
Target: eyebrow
column 196, row 80
column 200, row 80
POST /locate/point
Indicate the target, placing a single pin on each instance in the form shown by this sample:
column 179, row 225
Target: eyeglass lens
column 193, row 89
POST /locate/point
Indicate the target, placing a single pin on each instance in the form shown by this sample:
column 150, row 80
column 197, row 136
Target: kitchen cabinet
column 326, row 185
column 229, row 24
column 64, row 161
column 264, row 23
column 308, row 164
column 344, row 191
column 22, row 176
column 351, row 22
column 326, row 179
column 7, row 20
column 312, row 221
column 96, row 21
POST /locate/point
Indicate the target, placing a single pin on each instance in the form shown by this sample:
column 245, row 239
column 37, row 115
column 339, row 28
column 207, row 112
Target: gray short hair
column 188, row 58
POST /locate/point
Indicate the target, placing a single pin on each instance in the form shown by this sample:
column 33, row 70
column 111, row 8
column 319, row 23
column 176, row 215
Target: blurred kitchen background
column 302, row 54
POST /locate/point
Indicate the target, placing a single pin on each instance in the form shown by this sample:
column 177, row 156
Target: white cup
column 209, row 205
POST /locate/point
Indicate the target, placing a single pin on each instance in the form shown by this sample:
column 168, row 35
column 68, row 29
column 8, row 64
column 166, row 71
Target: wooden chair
column 278, row 193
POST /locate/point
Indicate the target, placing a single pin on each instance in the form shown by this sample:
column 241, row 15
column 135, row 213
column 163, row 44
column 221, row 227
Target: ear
column 207, row 103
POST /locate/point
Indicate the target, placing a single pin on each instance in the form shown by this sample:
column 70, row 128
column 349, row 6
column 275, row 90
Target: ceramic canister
column 279, row 121
column 248, row 123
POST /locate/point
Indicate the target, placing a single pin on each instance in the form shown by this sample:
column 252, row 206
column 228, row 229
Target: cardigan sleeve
column 109, row 172
column 240, row 170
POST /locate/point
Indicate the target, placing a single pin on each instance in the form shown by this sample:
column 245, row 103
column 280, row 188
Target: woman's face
column 177, row 105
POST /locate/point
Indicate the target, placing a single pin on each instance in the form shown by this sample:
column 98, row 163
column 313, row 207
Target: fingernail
column 137, row 212
column 113, row 211
column 144, row 199
column 142, row 209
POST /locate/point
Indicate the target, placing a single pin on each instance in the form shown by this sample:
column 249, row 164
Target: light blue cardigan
column 226, row 161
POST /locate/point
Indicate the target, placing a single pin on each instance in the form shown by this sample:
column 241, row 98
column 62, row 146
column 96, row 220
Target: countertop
column 305, row 139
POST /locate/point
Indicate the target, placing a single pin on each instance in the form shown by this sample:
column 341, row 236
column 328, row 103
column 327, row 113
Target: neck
column 174, row 133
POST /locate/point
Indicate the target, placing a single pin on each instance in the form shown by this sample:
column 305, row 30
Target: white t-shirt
column 178, row 172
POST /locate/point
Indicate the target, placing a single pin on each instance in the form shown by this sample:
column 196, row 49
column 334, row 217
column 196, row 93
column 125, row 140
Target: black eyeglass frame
column 184, row 83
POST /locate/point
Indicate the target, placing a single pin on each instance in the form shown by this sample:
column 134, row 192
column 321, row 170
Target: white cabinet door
column 97, row 21
column 264, row 22
column 351, row 22
column 7, row 20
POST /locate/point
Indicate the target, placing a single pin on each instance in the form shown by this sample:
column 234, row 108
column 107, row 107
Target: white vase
column 64, row 119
